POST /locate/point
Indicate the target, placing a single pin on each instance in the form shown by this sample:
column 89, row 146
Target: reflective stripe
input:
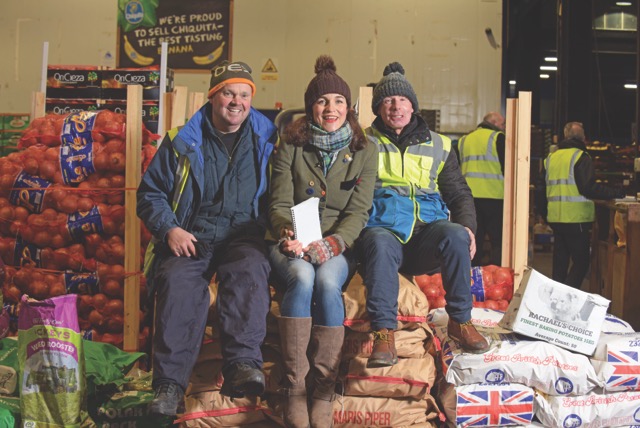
column 487, row 176
column 180, row 181
column 568, row 198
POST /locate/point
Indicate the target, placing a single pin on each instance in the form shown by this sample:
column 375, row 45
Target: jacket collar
column 572, row 143
column 416, row 132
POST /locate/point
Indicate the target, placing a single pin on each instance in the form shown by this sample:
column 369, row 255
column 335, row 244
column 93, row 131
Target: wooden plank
column 365, row 115
column 196, row 101
column 37, row 105
column 168, row 105
column 178, row 107
column 132, row 222
column 521, row 216
column 509, row 182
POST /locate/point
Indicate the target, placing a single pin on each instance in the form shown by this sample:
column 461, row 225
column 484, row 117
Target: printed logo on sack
column 572, row 421
column 134, row 12
column 564, row 386
column 636, row 415
column 494, row 376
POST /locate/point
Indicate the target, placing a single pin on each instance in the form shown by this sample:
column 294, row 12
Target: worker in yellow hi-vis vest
column 481, row 155
column 565, row 203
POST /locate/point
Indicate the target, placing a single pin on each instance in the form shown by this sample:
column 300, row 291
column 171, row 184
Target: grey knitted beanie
column 393, row 83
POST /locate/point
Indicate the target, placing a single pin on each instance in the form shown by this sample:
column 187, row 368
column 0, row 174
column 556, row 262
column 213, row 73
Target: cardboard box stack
column 75, row 88
column 11, row 127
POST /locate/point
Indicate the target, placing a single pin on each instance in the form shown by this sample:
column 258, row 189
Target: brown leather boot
column 326, row 351
column 294, row 340
column 384, row 352
column 467, row 337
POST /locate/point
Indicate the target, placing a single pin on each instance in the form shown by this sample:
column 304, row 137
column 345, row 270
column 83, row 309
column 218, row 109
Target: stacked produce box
column 62, row 217
column 77, row 88
column 11, row 126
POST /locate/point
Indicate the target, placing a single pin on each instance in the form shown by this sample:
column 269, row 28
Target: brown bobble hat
column 230, row 72
column 393, row 83
column 326, row 81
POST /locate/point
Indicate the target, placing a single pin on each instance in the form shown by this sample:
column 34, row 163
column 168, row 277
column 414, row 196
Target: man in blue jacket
column 422, row 220
column 202, row 200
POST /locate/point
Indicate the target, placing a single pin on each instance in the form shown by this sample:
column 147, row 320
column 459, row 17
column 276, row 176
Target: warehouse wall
column 441, row 43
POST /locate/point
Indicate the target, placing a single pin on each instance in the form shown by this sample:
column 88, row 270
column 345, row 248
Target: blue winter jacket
column 157, row 186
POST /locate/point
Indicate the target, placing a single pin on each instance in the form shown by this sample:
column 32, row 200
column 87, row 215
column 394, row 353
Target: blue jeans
column 311, row 291
column 440, row 245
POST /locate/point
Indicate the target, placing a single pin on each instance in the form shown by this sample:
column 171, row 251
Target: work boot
column 241, row 379
column 166, row 400
column 326, row 351
column 294, row 340
column 466, row 335
column 384, row 352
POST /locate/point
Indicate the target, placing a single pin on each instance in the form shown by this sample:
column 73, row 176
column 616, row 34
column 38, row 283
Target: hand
column 472, row 244
column 181, row 242
column 289, row 246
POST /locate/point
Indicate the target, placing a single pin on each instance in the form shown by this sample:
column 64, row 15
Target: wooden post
column 168, row 107
column 37, row 105
column 196, row 100
column 132, row 223
column 522, row 179
column 365, row 115
column 515, row 229
column 509, row 182
column 178, row 107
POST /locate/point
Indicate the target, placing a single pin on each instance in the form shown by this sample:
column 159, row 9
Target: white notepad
column 306, row 221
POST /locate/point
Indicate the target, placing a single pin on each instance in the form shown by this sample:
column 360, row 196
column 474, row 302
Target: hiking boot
column 242, row 379
column 166, row 400
column 466, row 335
column 384, row 352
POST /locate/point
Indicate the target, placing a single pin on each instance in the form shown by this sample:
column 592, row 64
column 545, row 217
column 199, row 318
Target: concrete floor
column 543, row 263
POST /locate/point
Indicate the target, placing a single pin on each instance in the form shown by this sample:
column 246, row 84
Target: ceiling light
column 551, row 59
column 544, row 76
column 512, row 82
column 623, row 3
column 630, row 86
column 548, row 67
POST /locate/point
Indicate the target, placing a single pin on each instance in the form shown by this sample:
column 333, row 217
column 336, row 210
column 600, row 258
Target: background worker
column 564, row 202
column 419, row 185
column 481, row 155
column 202, row 198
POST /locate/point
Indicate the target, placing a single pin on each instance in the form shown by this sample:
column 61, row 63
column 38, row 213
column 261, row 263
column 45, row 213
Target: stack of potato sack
column 521, row 380
column 62, row 216
column 616, row 402
column 204, row 405
column 399, row 395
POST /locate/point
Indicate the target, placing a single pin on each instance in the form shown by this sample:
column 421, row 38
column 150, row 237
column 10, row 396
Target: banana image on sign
column 134, row 55
column 210, row 58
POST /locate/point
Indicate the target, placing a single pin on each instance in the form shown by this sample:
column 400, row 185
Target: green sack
column 105, row 365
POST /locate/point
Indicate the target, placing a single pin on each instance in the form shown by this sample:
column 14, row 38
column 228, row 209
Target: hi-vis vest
column 407, row 184
column 180, row 180
column 480, row 164
column 565, row 203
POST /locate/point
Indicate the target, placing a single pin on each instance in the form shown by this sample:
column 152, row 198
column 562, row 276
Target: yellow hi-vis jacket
column 565, row 204
column 480, row 164
column 407, row 185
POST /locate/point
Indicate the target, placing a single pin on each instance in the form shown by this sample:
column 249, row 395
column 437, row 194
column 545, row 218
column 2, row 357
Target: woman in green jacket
column 326, row 155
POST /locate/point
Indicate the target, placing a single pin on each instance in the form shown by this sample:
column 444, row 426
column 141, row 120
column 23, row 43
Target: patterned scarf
column 330, row 143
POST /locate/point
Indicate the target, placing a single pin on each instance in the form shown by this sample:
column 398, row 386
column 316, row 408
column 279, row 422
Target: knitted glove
column 323, row 249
